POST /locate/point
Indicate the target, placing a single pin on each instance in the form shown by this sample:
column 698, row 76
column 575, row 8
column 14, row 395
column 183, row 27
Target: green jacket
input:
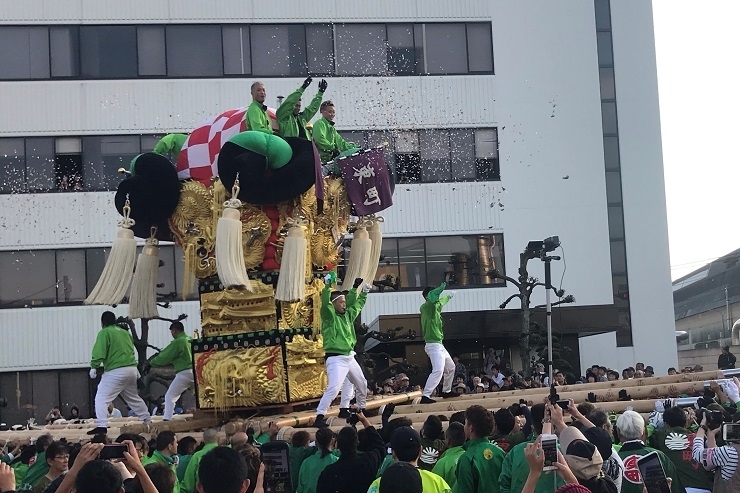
column 38, row 470
column 630, row 453
column 297, row 456
column 176, row 353
column 114, row 348
column 507, row 442
column 310, row 470
column 295, row 125
column 446, row 466
column 257, row 118
column 328, row 141
column 182, row 465
column 339, row 329
column 191, row 473
column 515, row 470
column 431, row 314
column 479, row 467
column 21, row 471
column 430, row 483
column 385, row 465
column 675, row 443
column 170, row 144
column 170, row 462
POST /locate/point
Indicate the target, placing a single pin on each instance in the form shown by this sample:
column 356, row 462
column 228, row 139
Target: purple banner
column 368, row 184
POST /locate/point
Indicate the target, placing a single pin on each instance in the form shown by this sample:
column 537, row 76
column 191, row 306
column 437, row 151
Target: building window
column 40, row 164
column 12, row 165
column 65, row 51
column 194, row 51
column 237, row 56
column 152, row 57
column 32, row 274
column 361, row 49
column 259, row 50
column 486, row 155
column 103, row 156
column 435, row 155
column 278, row 50
column 108, row 52
column 408, row 159
column 26, row 53
column 72, row 286
column 460, row 261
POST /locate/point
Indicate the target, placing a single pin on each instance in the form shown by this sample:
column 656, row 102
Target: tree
column 367, row 360
column 526, row 284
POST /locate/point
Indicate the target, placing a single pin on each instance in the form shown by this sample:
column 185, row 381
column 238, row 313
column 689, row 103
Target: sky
column 697, row 46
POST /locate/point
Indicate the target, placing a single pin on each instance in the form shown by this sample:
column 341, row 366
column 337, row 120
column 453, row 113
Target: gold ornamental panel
column 306, row 371
column 235, row 311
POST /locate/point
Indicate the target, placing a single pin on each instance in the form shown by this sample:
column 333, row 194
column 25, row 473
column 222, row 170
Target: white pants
column 339, row 368
column 121, row 381
column 442, row 364
column 697, row 490
column 183, row 381
column 348, row 392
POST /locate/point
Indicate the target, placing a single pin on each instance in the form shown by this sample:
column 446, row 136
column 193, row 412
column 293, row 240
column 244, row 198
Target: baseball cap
column 581, row 455
column 405, row 438
column 401, row 476
column 600, row 438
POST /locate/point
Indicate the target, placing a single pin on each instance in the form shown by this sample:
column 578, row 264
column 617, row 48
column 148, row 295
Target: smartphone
column 276, row 457
column 113, row 451
column 731, row 432
column 564, row 405
column 550, row 449
column 653, row 474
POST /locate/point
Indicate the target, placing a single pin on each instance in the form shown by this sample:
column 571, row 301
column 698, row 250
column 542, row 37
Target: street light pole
column 548, row 307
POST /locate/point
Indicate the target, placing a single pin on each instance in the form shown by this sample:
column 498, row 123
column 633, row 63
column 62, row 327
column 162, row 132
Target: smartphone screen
column 277, row 471
column 653, row 475
column 113, row 451
column 550, row 449
column 731, row 432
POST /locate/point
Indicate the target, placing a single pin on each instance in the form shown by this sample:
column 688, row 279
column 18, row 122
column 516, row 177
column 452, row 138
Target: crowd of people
column 471, row 451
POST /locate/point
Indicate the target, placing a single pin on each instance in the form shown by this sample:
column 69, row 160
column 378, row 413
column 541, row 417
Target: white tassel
column 143, row 298
column 119, row 268
column 291, row 284
column 376, row 236
column 359, row 256
column 229, row 246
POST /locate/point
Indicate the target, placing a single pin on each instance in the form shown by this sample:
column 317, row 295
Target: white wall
column 52, row 338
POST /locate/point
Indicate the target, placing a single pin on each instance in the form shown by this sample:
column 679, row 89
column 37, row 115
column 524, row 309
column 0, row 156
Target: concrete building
column 506, row 122
column 706, row 302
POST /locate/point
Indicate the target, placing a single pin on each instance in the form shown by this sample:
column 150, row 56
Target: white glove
column 732, row 391
column 93, row 373
column 659, row 407
column 366, row 288
column 327, row 279
column 656, row 419
column 451, row 294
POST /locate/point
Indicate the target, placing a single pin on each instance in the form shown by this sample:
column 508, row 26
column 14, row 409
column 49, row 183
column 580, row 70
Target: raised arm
column 313, row 106
column 434, row 294
column 286, row 107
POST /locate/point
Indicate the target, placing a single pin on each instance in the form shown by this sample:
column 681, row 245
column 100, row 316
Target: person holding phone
column 338, row 313
column 722, row 460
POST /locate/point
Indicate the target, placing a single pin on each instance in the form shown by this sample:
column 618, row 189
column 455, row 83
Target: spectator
column 74, row 414
column 431, row 442
column 631, row 428
column 39, row 468
column 496, row 376
column 584, row 459
column 507, row 432
column 481, row 459
column 353, row 472
column 460, row 370
column 166, row 452
column 238, row 439
column 673, row 440
column 613, row 465
column 57, row 457
column 185, row 451
column 672, row 371
column 722, row 460
column 162, row 476
column 535, row 458
column 515, row 469
column 446, row 466
column 299, row 450
column 559, row 378
column 602, row 374
column 386, row 432
column 612, row 375
column 649, row 372
column 21, row 463
column 402, row 476
column 726, row 360
column 140, row 445
column 210, row 440
column 698, row 368
column 253, row 459
column 406, row 447
column 539, row 377
column 53, row 415
column 313, row 466
column 639, row 367
column 223, row 470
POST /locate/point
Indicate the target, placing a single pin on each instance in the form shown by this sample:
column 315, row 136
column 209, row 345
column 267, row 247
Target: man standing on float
column 431, row 326
column 337, row 328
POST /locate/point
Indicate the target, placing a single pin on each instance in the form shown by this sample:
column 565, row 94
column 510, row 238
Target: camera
column 714, row 418
column 352, row 420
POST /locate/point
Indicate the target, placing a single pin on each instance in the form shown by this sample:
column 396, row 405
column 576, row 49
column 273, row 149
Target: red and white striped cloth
column 199, row 154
